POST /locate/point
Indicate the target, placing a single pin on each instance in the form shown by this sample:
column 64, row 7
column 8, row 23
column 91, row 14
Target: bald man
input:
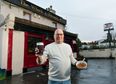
column 60, row 57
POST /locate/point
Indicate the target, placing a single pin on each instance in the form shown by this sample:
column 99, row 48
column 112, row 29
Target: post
column 108, row 27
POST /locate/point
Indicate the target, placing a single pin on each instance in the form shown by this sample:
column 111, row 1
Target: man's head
column 59, row 36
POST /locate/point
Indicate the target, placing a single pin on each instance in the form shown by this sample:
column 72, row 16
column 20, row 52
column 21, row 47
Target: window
column 32, row 44
column 26, row 15
column 54, row 24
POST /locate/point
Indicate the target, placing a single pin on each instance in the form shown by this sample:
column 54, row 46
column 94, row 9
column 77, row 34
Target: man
column 60, row 57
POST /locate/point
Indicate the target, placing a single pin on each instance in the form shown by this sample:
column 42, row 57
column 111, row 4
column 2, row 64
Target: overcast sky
column 84, row 17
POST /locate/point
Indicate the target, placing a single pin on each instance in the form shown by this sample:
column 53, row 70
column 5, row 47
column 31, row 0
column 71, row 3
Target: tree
column 78, row 41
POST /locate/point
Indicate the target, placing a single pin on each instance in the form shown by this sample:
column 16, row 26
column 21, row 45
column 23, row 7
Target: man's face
column 59, row 36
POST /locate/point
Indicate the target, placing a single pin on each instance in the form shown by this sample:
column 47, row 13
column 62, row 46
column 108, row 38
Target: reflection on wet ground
column 99, row 71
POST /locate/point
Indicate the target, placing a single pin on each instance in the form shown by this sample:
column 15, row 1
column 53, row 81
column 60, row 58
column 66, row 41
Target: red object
column 10, row 43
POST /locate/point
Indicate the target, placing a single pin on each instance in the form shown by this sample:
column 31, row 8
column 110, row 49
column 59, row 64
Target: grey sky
column 84, row 17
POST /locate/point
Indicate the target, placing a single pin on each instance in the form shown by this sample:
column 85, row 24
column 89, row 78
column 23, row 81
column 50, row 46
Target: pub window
column 32, row 44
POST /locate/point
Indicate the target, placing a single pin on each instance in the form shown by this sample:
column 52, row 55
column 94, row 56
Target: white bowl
column 81, row 64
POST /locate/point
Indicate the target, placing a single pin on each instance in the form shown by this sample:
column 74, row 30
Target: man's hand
column 38, row 59
column 81, row 65
column 41, row 59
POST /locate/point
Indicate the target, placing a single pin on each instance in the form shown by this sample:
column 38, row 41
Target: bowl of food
column 81, row 64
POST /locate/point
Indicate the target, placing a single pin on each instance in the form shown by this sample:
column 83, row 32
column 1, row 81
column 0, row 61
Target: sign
column 108, row 26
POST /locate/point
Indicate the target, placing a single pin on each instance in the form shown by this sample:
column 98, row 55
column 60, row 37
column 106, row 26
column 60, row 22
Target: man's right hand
column 38, row 60
column 41, row 59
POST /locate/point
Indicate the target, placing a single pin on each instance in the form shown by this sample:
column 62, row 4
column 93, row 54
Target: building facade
column 22, row 25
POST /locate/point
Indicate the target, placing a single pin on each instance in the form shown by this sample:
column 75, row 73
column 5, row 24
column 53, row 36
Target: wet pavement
column 99, row 71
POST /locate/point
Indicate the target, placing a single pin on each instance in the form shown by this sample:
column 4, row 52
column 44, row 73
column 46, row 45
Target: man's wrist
column 75, row 63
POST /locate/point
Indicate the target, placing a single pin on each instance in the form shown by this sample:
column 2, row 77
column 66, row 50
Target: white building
column 22, row 25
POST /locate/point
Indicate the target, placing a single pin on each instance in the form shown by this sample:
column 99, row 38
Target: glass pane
column 32, row 44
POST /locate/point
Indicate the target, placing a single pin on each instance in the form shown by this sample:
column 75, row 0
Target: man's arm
column 73, row 60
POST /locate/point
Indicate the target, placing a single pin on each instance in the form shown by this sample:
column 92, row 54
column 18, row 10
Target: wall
column 0, row 46
column 3, row 47
column 101, row 53
column 18, row 12
column 43, row 20
column 17, row 52
column 7, row 9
